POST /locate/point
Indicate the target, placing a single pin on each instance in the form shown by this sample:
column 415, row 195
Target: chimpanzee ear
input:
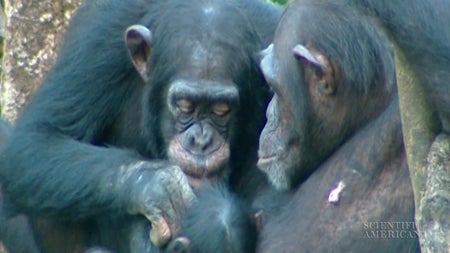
column 322, row 73
column 264, row 53
column 311, row 57
column 265, row 58
column 138, row 39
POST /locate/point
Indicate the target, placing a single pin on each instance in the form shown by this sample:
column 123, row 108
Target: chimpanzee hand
column 159, row 191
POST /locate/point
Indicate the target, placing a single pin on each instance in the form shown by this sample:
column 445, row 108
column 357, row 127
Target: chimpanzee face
column 327, row 83
column 202, row 103
column 302, row 115
column 202, row 111
column 199, row 110
column 279, row 147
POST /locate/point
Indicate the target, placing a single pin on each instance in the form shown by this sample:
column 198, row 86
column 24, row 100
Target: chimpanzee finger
column 170, row 194
column 160, row 232
column 181, row 197
column 179, row 186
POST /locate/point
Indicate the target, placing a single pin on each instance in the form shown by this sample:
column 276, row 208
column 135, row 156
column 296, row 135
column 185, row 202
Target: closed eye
column 221, row 109
column 185, row 106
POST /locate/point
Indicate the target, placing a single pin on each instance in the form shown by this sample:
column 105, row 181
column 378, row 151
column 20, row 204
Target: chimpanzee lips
column 267, row 159
column 199, row 165
column 265, row 162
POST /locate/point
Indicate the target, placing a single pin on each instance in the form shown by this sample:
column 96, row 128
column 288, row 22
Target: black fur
column 16, row 233
column 219, row 222
column 363, row 147
column 420, row 28
column 90, row 117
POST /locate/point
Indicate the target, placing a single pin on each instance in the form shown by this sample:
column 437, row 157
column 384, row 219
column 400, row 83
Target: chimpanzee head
column 330, row 73
column 204, row 95
column 217, row 222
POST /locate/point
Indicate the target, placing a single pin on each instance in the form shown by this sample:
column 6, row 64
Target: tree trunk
column 429, row 168
column 434, row 207
column 31, row 38
column 34, row 29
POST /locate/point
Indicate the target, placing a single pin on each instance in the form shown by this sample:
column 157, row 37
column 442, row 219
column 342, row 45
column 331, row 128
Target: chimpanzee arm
column 56, row 176
column 57, row 164
column 425, row 43
column 50, row 173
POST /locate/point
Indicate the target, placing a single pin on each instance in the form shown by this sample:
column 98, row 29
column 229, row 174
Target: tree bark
column 434, row 207
column 34, row 30
column 31, row 31
column 429, row 168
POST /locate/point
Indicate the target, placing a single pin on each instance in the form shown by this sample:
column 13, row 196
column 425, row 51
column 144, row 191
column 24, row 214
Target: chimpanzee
column 140, row 89
column 5, row 132
column 420, row 29
column 16, row 233
column 217, row 222
column 333, row 135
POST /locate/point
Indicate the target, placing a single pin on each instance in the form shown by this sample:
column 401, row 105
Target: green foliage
column 282, row 2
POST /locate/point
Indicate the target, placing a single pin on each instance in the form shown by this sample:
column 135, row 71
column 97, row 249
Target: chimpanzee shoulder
column 144, row 96
column 333, row 134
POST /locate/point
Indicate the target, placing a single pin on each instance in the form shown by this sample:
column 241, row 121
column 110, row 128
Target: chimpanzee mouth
column 264, row 160
column 199, row 165
column 198, row 182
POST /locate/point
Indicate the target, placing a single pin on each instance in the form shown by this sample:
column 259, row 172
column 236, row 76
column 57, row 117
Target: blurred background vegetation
column 282, row 2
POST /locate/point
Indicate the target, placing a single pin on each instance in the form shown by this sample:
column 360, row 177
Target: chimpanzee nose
column 199, row 139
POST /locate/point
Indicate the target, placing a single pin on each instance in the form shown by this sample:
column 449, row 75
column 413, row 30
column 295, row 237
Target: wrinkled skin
column 313, row 110
column 139, row 108
column 333, row 134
